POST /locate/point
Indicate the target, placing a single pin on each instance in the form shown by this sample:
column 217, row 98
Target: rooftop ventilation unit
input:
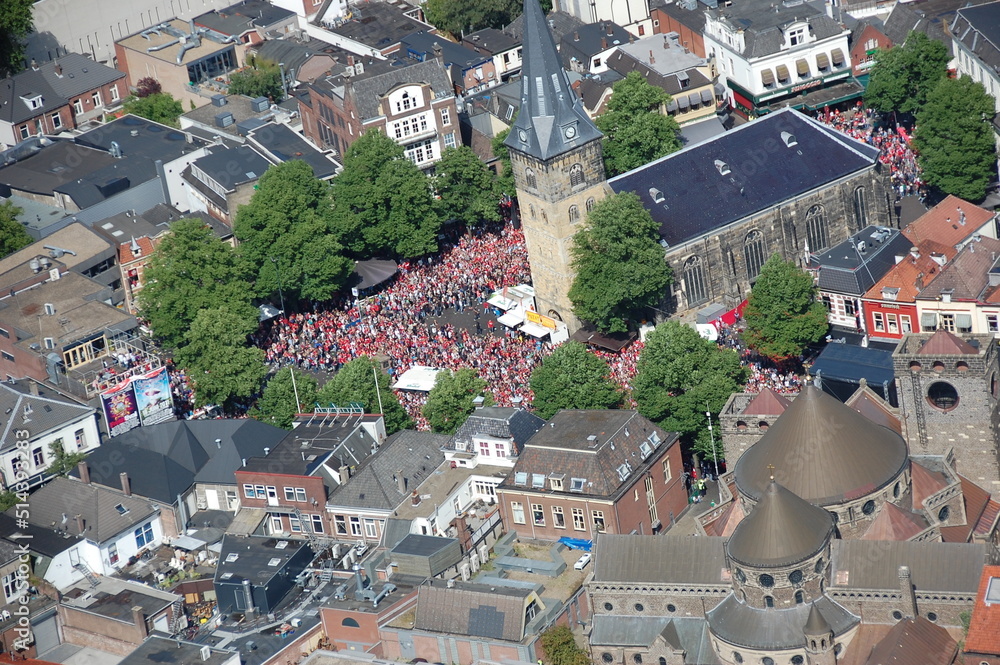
column 260, row 104
column 656, row 195
column 218, row 100
column 224, row 119
column 722, row 167
column 789, row 139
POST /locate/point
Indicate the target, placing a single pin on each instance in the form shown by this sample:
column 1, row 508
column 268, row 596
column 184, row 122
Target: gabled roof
column 894, row 523
column 839, row 453
column 912, row 273
column 868, row 564
column 766, row 403
column 231, row 167
column 664, row 559
column 61, row 500
column 924, row 483
column 763, row 22
column 502, row 423
column 165, row 460
column 36, row 413
column 966, row 277
column 821, row 155
column 589, row 40
column 44, row 540
column 491, row 41
column 869, row 404
column 283, row 145
column 622, row 63
column 949, row 223
column 552, row 120
column 978, row 28
column 560, row 23
column 688, row 634
column 243, row 16
column 915, row 640
column 475, row 610
column 782, row 529
column 984, row 627
column 944, row 343
column 79, row 75
column 856, row 264
column 424, row 45
column 367, row 91
column 378, row 25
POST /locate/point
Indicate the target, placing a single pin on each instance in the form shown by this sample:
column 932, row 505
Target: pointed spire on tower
column 551, row 120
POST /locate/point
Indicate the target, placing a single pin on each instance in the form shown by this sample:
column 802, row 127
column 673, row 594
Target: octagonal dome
column 823, row 451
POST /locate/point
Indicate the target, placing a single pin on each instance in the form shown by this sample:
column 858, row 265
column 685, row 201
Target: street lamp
column 715, row 460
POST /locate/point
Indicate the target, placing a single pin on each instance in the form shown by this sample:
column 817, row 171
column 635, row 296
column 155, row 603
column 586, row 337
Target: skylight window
column 654, row 439
column 281, row 544
column 232, row 556
column 226, row 576
column 576, row 484
column 122, row 510
column 623, row 471
column 538, row 480
column 520, row 478
column 645, row 449
column 276, row 561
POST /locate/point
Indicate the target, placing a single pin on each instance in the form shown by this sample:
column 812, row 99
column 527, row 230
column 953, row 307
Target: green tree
column 218, row 360
column 782, row 315
column 459, row 16
column 285, row 235
column 12, row 234
column 382, row 203
column 505, row 178
column 8, row 500
column 277, row 405
column 147, row 86
column 619, row 264
column 468, row 189
column 680, row 375
column 573, row 378
column 15, row 25
column 903, row 76
column 160, row 107
column 449, row 402
column 355, row 382
column 63, row 462
column 954, row 139
column 636, row 129
column 560, row 647
column 260, row 78
column 191, row 270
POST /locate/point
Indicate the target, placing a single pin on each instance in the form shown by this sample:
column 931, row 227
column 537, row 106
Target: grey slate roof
column 80, row 74
column 476, row 610
column 688, row 634
column 414, row 455
column 499, row 422
column 491, row 41
column 67, row 498
column 253, row 556
column 552, row 118
column 284, row 145
column 376, row 24
column 47, row 411
column 589, row 40
column 967, row 274
column 870, row 564
column 623, row 63
column 762, row 22
column 664, row 559
column 978, row 28
column 368, row 89
column 847, row 268
column 161, row 649
column 421, row 44
column 246, row 15
column 165, row 460
column 231, row 167
column 758, row 628
column 822, row 156
column 560, row 23
column 44, row 540
column 292, row 54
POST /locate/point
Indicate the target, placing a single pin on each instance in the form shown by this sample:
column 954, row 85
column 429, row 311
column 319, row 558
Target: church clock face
column 523, row 135
column 569, row 132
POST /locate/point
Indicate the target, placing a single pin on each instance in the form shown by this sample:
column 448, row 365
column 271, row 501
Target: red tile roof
column 944, row 343
column 912, row 273
column 125, row 255
column 941, row 223
column 924, row 483
column 984, row 628
column 767, row 403
column 915, row 641
column 875, row 409
column 894, row 523
column 988, row 519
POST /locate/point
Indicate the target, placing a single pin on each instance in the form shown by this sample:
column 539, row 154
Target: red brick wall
column 688, row 37
column 345, row 637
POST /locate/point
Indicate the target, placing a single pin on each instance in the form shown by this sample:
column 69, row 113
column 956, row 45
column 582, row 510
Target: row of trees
column 953, row 138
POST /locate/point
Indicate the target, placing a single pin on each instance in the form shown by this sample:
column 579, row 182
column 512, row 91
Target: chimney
column 126, row 485
column 79, row 524
column 34, row 65
column 914, row 252
column 414, row 499
column 58, row 70
column 604, row 42
column 350, row 61
column 464, row 533
column 906, row 586
column 84, row 472
column 401, row 482
column 139, row 620
column 437, row 49
column 576, row 36
column 652, row 60
column 609, row 31
column 345, row 474
column 33, row 387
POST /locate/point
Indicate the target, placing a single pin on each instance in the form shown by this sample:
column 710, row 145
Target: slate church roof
column 737, row 623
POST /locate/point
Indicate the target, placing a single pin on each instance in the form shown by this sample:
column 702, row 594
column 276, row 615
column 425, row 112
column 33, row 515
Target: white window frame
column 517, row 512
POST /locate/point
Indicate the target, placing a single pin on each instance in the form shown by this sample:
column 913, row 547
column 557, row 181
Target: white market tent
column 419, row 378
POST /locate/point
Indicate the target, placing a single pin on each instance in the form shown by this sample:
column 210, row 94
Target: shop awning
column 534, row 329
column 187, row 543
column 672, row 106
column 802, row 67
column 928, row 320
column 823, row 61
column 694, row 99
column 371, row 273
column 512, row 318
column 767, row 77
column 706, row 96
column 682, row 103
column 782, row 73
column 837, row 55
column 720, row 89
column 963, row 321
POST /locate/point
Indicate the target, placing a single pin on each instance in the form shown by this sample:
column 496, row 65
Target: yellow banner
column 535, row 317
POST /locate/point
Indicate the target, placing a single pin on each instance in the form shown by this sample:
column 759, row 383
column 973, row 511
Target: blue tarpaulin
column 577, row 543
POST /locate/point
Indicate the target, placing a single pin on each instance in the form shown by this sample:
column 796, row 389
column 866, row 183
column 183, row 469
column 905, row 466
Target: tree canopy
column 260, row 78
column 468, row 189
column 636, row 129
column 382, row 203
column 449, row 402
column 560, row 647
column 277, row 405
column 147, row 86
column 904, row 75
column 15, row 25
column 505, row 180
column 459, row 16
column 680, row 375
column 159, row 107
column 573, row 378
column 782, row 314
column 286, row 236
column 954, row 140
column 12, row 234
column 221, row 365
column 619, row 263
column 191, row 270
column 355, row 382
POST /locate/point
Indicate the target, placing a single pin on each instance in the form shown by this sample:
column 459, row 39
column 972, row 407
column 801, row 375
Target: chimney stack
column 906, row 586
column 401, row 482
column 345, row 474
column 58, row 69
column 84, row 472
column 604, row 42
column 139, row 620
column 33, row 387
column 415, row 498
column 608, row 29
column 79, row 524
column 126, row 485
column 914, row 252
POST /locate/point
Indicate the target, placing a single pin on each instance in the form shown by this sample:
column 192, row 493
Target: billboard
column 120, row 409
column 153, row 397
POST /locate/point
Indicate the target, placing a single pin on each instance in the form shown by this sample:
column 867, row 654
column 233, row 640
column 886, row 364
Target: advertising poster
column 120, row 409
column 153, row 397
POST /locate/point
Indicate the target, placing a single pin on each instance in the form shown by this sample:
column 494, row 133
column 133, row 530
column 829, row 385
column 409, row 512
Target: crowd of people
column 893, row 143
column 763, row 371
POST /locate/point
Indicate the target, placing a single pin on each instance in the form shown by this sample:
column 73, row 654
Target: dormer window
column 33, row 100
column 576, row 484
column 645, row 449
column 538, row 480
column 521, row 478
column 796, row 36
column 623, row 471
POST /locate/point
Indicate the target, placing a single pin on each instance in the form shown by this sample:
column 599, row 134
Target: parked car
column 582, row 562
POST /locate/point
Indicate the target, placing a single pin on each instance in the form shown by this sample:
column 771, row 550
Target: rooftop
column 665, row 559
column 45, row 540
column 57, row 82
column 867, row 564
column 859, row 262
column 255, row 558
column 42, row 413
column 240, row 106
column 441, row 484
column 244, row 16
column 54, row 165
column 662, row 54
column 812, row 157
column 984, row 628
column 477, row 610
column 115, row 598
column 423, row 44
column 283, row 145
column 369, row 89
column 950, row 222
column 330, row 440
column 762, row 22
column 231, row 167
column 164, row 39
column 491, row 41
column 985, row 20
column 77, row 238
column 161, row 649
column 378, row 25
column 588, row 40
column 916, row 640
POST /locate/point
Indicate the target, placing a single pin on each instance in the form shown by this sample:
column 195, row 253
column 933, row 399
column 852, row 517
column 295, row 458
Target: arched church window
column 529, row 179
column 816, row 233
column 574, row 214
column 799, row 597
column 576, row 175
column 860, row 208
column 942, row 395
column 754, row 253
column 591, row 203
column 694, row 281
column 768, row 601
column 795, row 577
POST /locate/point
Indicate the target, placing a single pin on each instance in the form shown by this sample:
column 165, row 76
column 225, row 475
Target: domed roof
column 823, row 451
column 782, row 529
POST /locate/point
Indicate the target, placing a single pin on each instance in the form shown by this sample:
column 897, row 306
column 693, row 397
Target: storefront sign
column 535, row 317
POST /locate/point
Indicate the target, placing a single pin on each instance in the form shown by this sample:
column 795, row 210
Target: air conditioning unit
column 224, row 119
column 202, row 505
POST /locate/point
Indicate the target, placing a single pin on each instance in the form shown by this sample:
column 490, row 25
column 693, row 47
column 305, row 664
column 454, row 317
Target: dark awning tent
column 840, row 368
column 613, row 342
column 368, row 274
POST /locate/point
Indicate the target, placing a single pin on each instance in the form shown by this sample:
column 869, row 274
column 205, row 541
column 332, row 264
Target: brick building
column 594, row 472
column 982, row 642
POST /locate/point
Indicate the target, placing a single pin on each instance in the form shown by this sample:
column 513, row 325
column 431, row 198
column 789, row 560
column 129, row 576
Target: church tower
column 555, row 153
